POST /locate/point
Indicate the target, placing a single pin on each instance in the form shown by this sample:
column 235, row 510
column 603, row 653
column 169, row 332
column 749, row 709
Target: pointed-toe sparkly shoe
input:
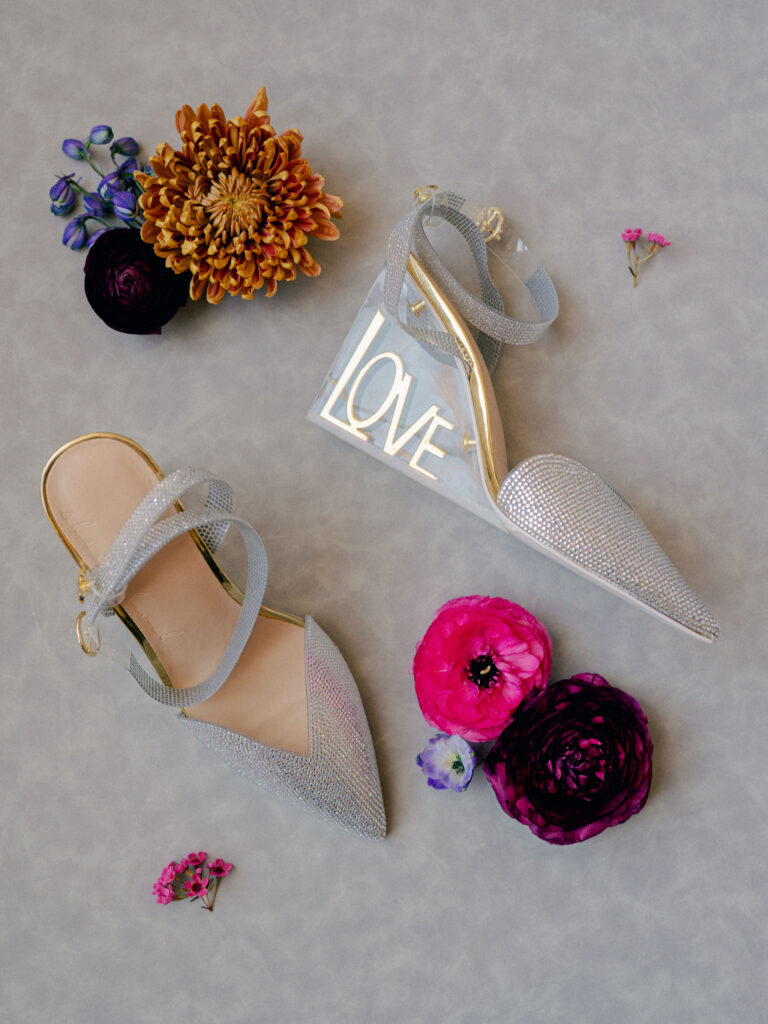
column 268, row 692
column 411, row 385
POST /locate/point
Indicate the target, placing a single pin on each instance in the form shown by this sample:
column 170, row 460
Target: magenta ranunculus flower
column 476, row 662
column 575, row 760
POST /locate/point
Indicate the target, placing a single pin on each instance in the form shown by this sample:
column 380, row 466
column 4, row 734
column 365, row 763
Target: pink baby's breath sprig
column 191, row 879
column 631, row 236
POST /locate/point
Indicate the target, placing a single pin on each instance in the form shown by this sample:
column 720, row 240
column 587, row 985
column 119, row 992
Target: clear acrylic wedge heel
column 411, row 386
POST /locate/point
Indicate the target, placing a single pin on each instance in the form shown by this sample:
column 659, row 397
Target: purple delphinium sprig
column 75, row 233
column 191, row 879
column 448, row 762
column 63, row 195
column 115, row 196
column 630, row 237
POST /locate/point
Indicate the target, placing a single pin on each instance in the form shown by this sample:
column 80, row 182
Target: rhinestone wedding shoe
column 267, row 691
column 411, row 385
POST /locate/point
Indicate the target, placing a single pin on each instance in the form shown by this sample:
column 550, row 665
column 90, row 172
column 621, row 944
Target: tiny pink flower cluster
column 188, row 880
column 631, row 236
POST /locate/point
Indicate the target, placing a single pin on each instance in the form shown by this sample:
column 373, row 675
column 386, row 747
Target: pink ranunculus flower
column 479, row 658
column 657, row 239
column 632, row 234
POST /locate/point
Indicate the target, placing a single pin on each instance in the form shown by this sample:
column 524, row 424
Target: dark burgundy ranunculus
column 129, row 287
column 575, row 760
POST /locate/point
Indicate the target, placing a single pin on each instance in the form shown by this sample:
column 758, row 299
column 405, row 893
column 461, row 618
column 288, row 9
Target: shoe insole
column 176, row 601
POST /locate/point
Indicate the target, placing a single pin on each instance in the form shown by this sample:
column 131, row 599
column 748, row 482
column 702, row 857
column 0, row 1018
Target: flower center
column 483, row 671
column 235, row 203
column 458, row 766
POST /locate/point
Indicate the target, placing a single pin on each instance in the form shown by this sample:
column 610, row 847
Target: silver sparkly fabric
column 111, row 576
column 571, row 511
column 139, row 540
column 339, row 780
column 493, row 326
column 158, row 537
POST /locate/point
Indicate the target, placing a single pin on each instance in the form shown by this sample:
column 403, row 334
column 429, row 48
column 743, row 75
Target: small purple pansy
column 448, row 762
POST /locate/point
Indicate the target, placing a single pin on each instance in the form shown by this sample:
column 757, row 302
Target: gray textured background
column 579, row 120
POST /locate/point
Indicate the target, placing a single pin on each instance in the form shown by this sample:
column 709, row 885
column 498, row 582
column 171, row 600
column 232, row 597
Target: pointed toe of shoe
column 571, row 513
column 339, row 778
column 349, row 790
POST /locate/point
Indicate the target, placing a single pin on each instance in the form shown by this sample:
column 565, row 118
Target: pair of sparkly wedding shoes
column 270, row 692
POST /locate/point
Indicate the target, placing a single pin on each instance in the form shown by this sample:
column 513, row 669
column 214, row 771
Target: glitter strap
column 105, row 583
column 492, row 325
column 145, row 533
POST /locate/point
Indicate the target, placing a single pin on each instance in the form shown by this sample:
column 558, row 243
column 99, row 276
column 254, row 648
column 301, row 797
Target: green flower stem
column 93, row 165
column 651, row 251
column 213, row 894
column 88, row 158
column 632, row 270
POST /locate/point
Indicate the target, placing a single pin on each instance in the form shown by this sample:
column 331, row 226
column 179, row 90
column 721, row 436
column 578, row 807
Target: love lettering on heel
column 348, row 385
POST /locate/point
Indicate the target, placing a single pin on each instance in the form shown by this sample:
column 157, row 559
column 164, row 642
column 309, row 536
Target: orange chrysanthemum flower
column 236, row 205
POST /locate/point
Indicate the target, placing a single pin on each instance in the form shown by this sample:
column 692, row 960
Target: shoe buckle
column 89, row 642
column 491, row 223
column 423, row 195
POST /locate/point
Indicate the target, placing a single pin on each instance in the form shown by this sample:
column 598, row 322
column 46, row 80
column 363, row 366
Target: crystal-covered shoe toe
column 567, row 509
column 339, row 778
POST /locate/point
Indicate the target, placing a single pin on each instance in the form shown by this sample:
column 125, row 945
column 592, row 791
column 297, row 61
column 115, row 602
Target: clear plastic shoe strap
column 486, row 314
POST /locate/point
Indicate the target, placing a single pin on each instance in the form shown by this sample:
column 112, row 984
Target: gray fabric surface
column 579, row 120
